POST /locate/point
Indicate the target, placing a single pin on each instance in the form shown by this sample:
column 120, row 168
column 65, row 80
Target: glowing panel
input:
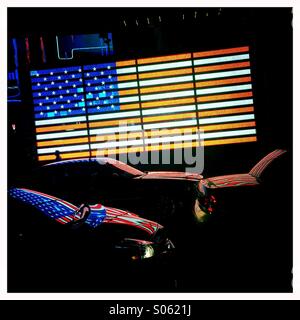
column 135, row 105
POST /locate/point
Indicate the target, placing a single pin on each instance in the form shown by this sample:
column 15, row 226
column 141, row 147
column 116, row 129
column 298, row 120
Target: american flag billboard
column 144, row 104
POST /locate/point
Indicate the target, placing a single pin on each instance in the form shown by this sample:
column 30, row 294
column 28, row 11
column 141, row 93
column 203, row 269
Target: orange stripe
column 130, row 106
column 67, row 127
column 128, row 77
column 168, row 102
column 170, row 117
column 229, row 141
column 125, row 63
column 117, row 136
column 167, row 132
column 106, row 152
column 228, row 126
column 165, row 73
column 223, row 66
column 98, row 124
column 224, row 96
column 203, row 114
column 170, row 146
column 165, row 58
column 128, row 92
column 223, row 81
column 61, row 142
column 168, row 88
column 70, row 155
column 219, row 52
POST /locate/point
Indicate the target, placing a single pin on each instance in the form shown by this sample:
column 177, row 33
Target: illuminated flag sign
column 144, row 104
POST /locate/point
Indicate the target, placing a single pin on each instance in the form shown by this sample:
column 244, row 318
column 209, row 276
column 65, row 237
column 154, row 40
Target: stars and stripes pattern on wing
column 60, row 210
column 145, row 104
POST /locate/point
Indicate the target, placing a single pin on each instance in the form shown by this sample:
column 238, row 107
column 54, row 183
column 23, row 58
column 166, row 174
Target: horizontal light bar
column 144, row 83
column 167, row 95
column 116, row 129
column 220, row 52
column 126, row 85
column 164, row 66
column 226, row 119
column 224, row 89
column 165, row 58
column 129, row 99
column 223, row 134
column 215, row 105
column 222, row 74
column 171, row 124
column 236, row 57
column 63, row 149
column 188, row 137
column 114, row 115
column 126, row 70
column 61, row 120
column 56, row 135
column 116, row 144
column 147, row 112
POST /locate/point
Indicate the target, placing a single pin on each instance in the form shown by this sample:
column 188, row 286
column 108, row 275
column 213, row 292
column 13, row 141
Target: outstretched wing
column 251, row 178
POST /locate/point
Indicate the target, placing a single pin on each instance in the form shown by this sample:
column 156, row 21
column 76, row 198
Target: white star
column 40, row 104
column 59, row 87
column 97, row 98
column 59, row 77
column 66, row 71
column 102, row 72
column 87, row 74
column 51, row 73
column 74, row 85
column 108, row 67
column 47, row 98
column 55, row 111
column 66, row 81
column 61, row 97
column 46, row 88
column 95, row 78
column 37, row 75
column 80, row 80
column 103, row 82
column 88, row 84
column 54, row 102
column 111, row 97
column 109, row 77
column 83, row 109
column 62, row 106
column 40, row 94
column 94, row 69
column 41, row 113
column 73, row 76
column 98, row 108
column 52, row 82
column 82, row 99
column 68, row 91
column 75, row 95
column 68, row 101
column 48, row 108
column 53, row 92
column 76, row 104
column 38, row 84
column 45, row 79
column 91, row 104
column 79, row 70
column 69, row 110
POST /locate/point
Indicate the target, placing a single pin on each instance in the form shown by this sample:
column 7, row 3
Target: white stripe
column 146, row 112
column 173, row 138
column 124, row 85
column 167, row 95
column 226, row 104
column 62, row 120
column 224, row 89
column 116, row 144
column 144, row 83
column 224, row 74
column 62, row 220
column 226, row 119
column 126, row 70
column 236, row 57
column 78, row 133
column 116, row 129
column 129, row 99
column 228, row 134
column 164, row 66
column 63, row 149
column 114, row 115
column 171, row 124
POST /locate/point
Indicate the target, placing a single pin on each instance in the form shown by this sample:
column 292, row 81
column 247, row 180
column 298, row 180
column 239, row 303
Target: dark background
column 268, row 32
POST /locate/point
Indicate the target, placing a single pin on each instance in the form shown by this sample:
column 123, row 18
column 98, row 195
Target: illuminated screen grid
column 144, row 104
